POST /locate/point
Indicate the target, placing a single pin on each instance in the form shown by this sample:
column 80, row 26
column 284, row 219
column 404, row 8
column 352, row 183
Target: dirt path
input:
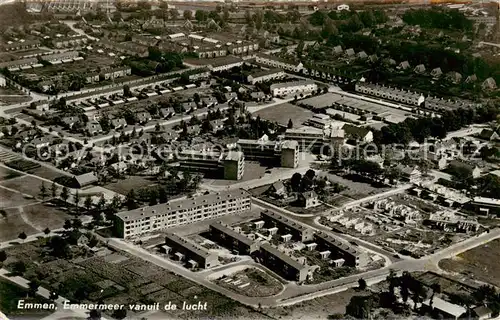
column 26, row 220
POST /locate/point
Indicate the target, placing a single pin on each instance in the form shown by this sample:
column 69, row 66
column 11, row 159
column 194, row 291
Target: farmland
column 114, row 277
column 10, row 295
column 479, row 263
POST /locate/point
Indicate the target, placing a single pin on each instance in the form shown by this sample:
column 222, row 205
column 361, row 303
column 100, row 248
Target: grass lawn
column 11, row 199
column 319, row 308
column 46, row 173
column 283, row 112
column 27, row 185
column 13, row 224
column 44, row 215
column 10, row 294
column 131, row 182
column 479, row 263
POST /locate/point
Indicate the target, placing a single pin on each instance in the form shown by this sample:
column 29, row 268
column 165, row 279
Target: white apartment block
column 286, row 153
column 3, row 81
column 180, row 212
column 294, row 87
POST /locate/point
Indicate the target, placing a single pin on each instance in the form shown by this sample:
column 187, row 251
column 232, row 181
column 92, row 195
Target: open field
column 11, row 199
column 479, row 263
column 13, row 224
column 319, row 308
column 10, row 294
column 46, row 173
column 44, row 215
column 284, row 112
column 26, row 184
column 131, row 182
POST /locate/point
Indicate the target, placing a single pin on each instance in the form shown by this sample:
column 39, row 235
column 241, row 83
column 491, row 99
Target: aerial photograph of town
column 313, row 159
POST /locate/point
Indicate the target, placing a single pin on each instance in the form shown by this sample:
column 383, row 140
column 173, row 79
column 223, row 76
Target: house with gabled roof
column 404, row 65
column 85, row 179
column 277, row 189
column 309, row 199
column 118, row 123
column 420, row 69
column 436, row 72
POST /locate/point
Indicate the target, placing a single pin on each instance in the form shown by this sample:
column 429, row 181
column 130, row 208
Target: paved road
column 294, row 293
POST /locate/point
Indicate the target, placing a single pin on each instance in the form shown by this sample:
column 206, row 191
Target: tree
column 120, row 314
column 300, row 48
column 22, row 236
column 393, row 281
column 53, row 189
column 19, row 267
column 33, row 287
column 101, row 203
column 362, row 284
column 200, row 15
column 43, row 191
column 46, row 231
column 310, row 174
column 359, row 307
column 77, row 223
column 53, row 296
column 188, row 14
column 3, row 256
column 126, row 91
column 96, row 314
column 76, row 200
column 88, row 202
column 295, row 181
column 131, row 200
column 290, row 124
column 174, row 14
column 59, row 246
column 67, row 224
column 64, row 194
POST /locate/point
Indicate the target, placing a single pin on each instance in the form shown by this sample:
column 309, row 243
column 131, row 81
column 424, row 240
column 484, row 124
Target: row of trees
column 438, row 18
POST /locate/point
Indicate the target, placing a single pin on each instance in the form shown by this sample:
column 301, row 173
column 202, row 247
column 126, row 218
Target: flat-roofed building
column 286, row 153
column 225, row 63
column 298, row 231
column 192, row 253
column 289, row 267
column 180, row 212
column 232, row 239
column 341, row 250
column 486, row 206
column 315, row 140
column 231, row 165
column 21, row 45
